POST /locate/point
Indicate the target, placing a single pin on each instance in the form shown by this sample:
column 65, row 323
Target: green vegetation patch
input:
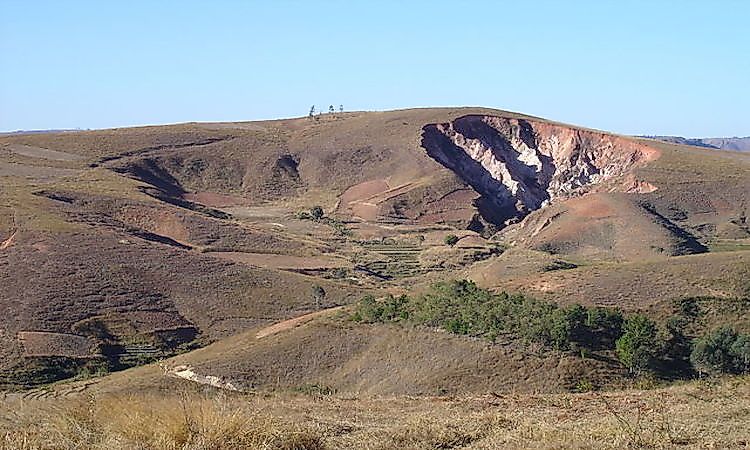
column 462, row 307
column 640, row 343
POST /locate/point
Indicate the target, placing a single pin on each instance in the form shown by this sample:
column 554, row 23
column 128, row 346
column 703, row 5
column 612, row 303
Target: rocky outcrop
column 519, row 166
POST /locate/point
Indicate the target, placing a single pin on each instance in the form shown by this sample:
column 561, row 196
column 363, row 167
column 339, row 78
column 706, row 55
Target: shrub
column 451, row 240
column 638, row 344
column 316, row 213
column 318, row 294
column 676, row 346
column 390, row 309
column 568, row 326
column 722, row 351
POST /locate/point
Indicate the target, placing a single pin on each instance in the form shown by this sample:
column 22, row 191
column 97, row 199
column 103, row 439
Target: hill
column 736, row 144
column 125, row 246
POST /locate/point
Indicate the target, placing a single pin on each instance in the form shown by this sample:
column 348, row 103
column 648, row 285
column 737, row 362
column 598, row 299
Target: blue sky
column 652, row 67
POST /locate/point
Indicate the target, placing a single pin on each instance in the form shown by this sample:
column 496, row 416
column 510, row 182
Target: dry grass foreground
column 693, row 415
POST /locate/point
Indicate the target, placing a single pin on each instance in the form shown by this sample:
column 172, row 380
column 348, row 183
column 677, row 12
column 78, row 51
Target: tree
column 316, row 212
column 741, row 352
column 451, row 240
column 676, row 345
column 569, row 325
column 638, row 344
column 605, row 326
column 312, row 112
column 341, row 108
column 330, row 109
column 722, row 351
column 319, row 294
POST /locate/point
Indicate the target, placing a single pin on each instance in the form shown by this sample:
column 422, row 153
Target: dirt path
column 294, row 322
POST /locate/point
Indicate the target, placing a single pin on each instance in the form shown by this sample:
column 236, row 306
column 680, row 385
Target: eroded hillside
column 519, row 166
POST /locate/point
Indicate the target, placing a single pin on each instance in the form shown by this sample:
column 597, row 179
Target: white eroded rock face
column 519, row 165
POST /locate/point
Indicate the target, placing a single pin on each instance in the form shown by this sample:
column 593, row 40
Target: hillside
column 125, row 246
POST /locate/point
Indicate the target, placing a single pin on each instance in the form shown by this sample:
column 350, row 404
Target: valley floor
column 701, row 414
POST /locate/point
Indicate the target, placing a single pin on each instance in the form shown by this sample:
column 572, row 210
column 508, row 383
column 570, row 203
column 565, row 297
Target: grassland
column 703, row 414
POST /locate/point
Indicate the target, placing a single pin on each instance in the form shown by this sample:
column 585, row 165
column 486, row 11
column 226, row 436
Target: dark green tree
column 638, row 344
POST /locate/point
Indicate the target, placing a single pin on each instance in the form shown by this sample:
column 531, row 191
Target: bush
column 316, row 213
column 461, row 307
column 722, row 351
column 390, row 309
column 638, row 345
column 318, row 294
column 451, row 240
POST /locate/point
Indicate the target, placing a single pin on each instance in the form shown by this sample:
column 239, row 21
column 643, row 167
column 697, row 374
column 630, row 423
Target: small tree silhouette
column 312, row 112
column 331, row 110
column 451, row 240
column 319, row 294
column 341, row 108
column 317, row 213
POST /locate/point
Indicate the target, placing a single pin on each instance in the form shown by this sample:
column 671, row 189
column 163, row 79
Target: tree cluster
column 461, row 307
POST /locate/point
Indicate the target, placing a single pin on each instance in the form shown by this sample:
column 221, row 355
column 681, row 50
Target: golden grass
column 186, row 421
column 693, row 415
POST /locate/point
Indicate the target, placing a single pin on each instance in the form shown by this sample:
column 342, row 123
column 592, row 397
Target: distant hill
column 5, row 133
column 737, row 144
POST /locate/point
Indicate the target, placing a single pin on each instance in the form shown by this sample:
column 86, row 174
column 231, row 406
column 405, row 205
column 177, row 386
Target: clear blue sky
column 657, row 67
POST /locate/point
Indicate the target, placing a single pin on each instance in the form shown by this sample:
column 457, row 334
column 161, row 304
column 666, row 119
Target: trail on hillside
column 294, row 322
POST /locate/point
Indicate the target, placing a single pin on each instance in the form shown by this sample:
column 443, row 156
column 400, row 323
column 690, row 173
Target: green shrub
column 722, row 351
column 390, row 309
column 451, row 240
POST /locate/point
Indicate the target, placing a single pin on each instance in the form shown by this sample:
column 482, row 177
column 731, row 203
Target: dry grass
column 694, row 415
column 186, row 421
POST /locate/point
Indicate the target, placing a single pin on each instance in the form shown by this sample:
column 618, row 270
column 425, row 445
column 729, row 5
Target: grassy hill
column 120, row 247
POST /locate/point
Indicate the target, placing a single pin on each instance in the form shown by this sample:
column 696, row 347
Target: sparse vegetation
column 152, row 422
column 317, row 214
